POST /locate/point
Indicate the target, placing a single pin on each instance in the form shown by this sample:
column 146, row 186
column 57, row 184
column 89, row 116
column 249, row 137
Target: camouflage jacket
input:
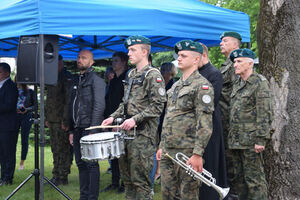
column 188, row 118
column 145, row 102
column 56, row 107
column 229, row 77
column 251, row 112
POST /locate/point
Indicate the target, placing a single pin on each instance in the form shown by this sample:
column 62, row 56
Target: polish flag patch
column 205, row 87
column 158, row 80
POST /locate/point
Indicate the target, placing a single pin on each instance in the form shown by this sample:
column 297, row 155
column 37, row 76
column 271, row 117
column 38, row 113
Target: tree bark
column 278, row 36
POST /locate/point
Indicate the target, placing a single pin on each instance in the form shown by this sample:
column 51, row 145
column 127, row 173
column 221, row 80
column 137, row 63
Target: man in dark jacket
column 214, row 154
column 88, row 104
column 8, row 125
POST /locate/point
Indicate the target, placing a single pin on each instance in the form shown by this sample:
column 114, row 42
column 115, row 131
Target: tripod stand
column 39, row 173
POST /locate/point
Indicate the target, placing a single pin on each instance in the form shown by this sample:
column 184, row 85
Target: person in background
column 109, row 75
column 8, row 125
column 112, row 99
column 57, row 119
column 25, row 107
column 229, row 41
column 87, row 102
column 214, row 154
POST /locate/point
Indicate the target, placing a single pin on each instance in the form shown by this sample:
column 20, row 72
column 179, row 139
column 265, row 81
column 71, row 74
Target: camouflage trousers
column 176, row 184
column 246, row 176
column 225, row 126
column 60, row 147
column 136, row 166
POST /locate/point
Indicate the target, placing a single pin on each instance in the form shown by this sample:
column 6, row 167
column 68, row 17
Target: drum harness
column 131, row 81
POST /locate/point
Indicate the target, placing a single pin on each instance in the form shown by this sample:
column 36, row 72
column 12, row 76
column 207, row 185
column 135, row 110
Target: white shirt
column 2, row 82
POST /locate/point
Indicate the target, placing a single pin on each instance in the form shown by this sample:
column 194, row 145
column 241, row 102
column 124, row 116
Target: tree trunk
column 278, row 36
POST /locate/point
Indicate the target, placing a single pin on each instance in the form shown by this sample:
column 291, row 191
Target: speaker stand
column 39, row 181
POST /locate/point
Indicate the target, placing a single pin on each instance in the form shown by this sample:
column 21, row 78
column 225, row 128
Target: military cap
column 231, row 34
column 242, row 53
column 188, row 45
column 136, row 39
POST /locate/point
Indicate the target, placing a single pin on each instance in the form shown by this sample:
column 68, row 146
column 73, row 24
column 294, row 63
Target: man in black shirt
column 113, row 98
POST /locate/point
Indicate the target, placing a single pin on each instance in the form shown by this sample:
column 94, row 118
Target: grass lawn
column 27, row 192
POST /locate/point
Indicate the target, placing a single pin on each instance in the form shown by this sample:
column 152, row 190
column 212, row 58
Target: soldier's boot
column 130, row 193
column 64, row 181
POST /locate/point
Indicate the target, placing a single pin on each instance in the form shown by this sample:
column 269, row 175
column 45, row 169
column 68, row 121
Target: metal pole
column 42, row 117
column 36, row 144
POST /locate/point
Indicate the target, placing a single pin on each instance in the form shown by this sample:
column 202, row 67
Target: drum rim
column 106, row 139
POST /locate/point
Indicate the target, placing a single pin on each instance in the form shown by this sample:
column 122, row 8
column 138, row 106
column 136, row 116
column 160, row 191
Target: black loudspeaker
column 28, row 68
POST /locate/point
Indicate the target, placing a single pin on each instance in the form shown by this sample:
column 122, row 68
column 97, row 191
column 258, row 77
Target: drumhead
column 100, row 136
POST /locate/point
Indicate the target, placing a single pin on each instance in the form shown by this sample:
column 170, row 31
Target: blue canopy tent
column 102, row 26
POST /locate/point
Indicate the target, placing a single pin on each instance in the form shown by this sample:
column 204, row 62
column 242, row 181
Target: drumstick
column 109, row 126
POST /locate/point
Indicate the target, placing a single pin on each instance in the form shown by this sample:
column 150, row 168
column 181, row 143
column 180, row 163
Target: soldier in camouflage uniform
column 250, row 120
column 187, row 125
column 56, row 115
column 230, row 41
column 143, row 102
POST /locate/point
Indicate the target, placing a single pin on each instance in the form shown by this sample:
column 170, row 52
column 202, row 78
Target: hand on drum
column 128, row 124
column 107, row 121
column 196, row 162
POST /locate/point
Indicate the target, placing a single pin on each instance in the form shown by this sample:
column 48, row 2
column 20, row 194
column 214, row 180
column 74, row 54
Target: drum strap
column 126, row 97
column 130, row 82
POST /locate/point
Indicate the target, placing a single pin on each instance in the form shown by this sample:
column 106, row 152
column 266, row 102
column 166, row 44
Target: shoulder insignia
column 205, row 87
column 206, row 99
column 158, row 80
column 161, row 91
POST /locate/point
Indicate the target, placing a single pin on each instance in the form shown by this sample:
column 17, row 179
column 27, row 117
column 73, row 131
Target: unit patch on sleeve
column 206, row 99
column 161, row 91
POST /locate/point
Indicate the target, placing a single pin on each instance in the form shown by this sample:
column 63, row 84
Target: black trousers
column 89, row 174
column 8, row 144
column 115, row 170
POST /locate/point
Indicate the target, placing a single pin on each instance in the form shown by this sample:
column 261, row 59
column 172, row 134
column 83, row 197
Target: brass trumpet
column 206, row 177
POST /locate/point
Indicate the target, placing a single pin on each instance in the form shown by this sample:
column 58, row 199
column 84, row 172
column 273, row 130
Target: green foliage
column 159, row 58
column 215, row 56
column 251, row 8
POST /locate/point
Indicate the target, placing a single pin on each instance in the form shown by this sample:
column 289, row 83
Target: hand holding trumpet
column 196, row 162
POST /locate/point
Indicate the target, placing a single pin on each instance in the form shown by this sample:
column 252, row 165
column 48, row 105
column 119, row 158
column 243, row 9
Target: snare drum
column 102, row 146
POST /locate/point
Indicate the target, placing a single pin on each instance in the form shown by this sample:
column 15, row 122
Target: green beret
column 242, row 53
column 188, row 45
column 231, row 34
column 136, row 39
